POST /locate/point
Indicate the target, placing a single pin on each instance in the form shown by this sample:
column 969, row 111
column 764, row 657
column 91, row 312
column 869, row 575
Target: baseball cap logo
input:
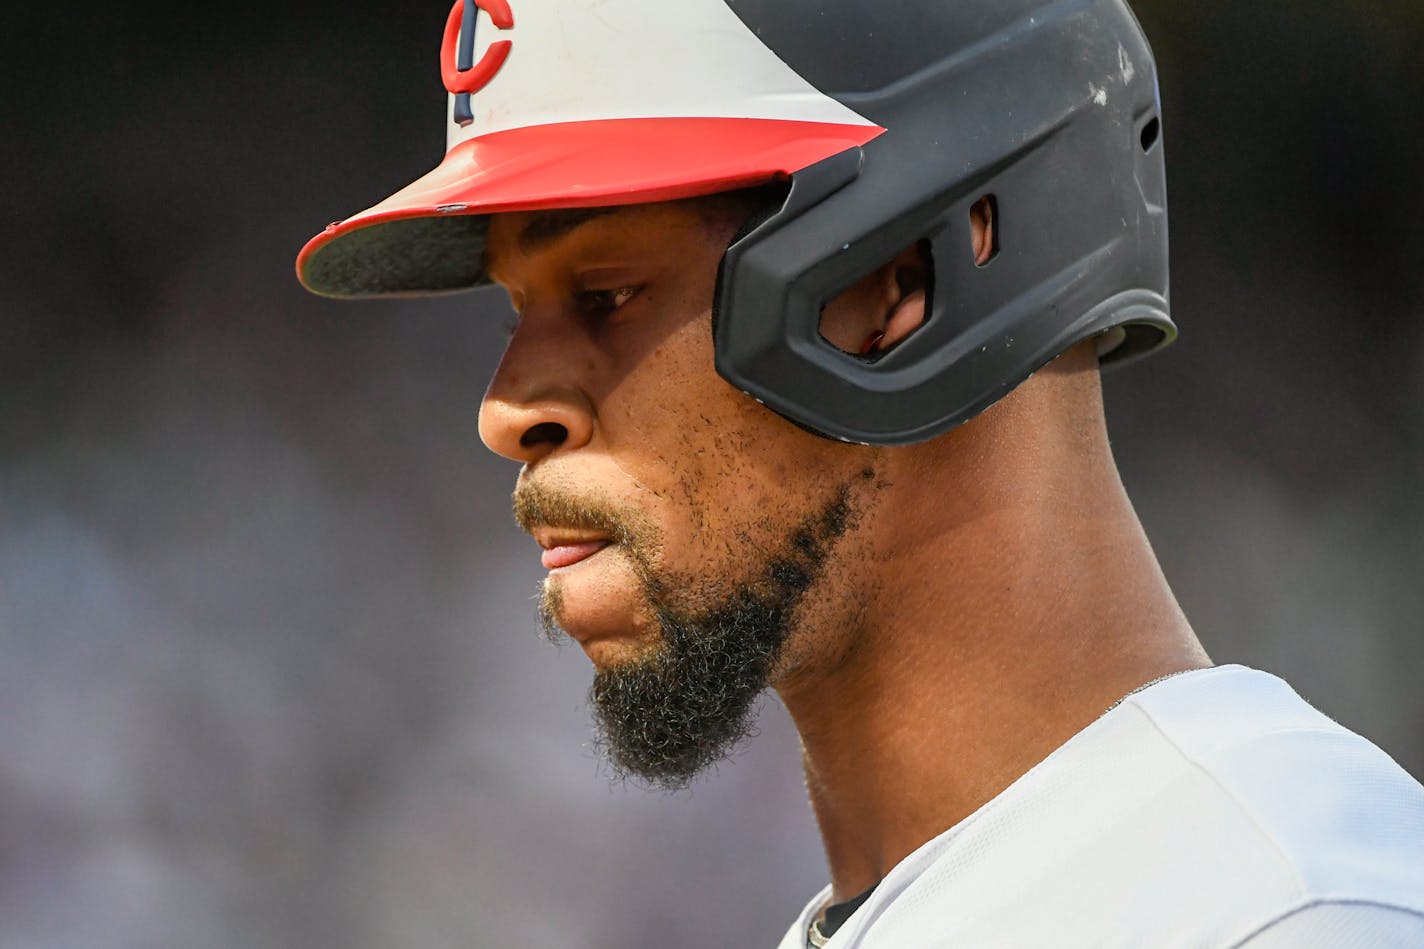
column 463, row 76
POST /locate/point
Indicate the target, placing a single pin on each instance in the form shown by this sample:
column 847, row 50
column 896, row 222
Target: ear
column 883, row 307
column 912, row 280
column 981, row 226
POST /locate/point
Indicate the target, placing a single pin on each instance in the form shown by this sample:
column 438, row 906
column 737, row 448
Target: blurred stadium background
column 269, row 674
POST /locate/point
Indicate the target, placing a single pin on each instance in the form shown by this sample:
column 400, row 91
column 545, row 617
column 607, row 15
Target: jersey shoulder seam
column 1301, row 886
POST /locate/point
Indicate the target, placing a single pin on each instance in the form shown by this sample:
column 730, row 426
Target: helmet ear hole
column 884, row 307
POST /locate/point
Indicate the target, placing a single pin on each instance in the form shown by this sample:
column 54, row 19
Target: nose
column 528, row 430
column 530, row 411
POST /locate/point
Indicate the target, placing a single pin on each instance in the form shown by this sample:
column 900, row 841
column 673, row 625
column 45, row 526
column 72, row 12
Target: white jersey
column 1214, row 809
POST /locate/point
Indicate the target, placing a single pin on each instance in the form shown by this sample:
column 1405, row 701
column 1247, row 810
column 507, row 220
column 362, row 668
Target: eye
column 602, row 303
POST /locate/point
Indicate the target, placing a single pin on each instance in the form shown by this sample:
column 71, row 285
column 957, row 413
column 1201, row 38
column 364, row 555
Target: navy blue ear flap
column 1049, row 118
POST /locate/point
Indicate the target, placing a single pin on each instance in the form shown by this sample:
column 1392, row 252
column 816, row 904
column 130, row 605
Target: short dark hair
column 742, row 207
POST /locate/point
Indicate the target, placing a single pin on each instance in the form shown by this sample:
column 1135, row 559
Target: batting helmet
column 889, row 121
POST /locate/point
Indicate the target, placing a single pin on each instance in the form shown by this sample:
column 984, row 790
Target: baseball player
column 813, row 296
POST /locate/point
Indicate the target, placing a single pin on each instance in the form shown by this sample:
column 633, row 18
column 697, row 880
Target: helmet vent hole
column 984, row 229
column 1150, row 131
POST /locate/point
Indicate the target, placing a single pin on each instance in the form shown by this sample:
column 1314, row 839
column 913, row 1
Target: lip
column 564, row 546
column 567, row 553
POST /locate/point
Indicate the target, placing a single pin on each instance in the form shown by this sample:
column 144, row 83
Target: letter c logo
column 463, row 77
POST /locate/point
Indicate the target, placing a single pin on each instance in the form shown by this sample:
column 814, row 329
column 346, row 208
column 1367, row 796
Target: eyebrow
column 548, row 226
column 545, row 227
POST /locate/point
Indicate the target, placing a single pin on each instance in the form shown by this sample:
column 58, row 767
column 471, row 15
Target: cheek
column 729, row 476
column 671, row 423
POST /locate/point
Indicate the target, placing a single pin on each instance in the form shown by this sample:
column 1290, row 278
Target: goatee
column 686, row 704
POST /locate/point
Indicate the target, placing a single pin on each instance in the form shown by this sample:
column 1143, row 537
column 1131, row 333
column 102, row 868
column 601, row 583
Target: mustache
column 537, row 505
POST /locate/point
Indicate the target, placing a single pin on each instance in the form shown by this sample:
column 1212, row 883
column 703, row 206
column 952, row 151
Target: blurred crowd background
column 269, row 672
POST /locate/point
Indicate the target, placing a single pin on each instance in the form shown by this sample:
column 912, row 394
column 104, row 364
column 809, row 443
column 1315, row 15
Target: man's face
column 695, row 539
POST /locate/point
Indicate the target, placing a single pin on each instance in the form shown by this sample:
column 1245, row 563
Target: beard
column 689, row 701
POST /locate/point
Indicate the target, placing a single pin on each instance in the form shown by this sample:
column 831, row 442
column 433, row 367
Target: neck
column 996, row 632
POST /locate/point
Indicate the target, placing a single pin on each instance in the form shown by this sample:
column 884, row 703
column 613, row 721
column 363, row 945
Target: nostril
column 545, row 433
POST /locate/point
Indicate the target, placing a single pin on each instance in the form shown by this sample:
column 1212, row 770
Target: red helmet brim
column 429, row 236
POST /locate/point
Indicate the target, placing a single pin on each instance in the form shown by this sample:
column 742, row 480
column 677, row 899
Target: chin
column 609, row 620
column 598, row 603
column 608, row 653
